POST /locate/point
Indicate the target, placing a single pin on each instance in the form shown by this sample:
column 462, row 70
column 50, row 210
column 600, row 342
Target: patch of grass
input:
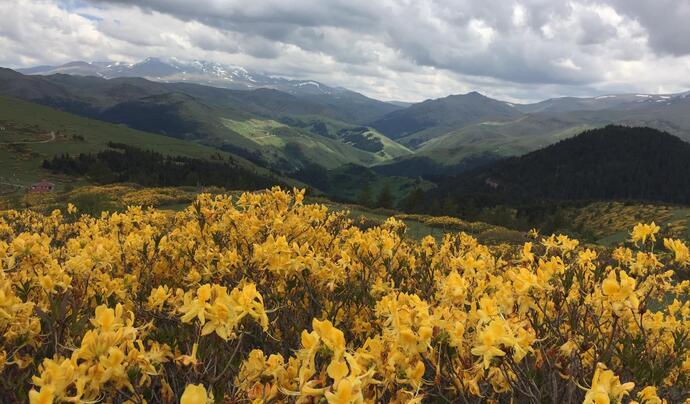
column 94, row 199
column 610, row 222
column 301, row 141
column 25, row 121
column 257, row 130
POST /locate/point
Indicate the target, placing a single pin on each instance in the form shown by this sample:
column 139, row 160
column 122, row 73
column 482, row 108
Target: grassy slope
column 433, row 118
column 610, row 222
column 26, row 121
column 391, row 148
column 256, row 130
column 534, row 131
column 511, row 138
column 271, row 138
column 195, row 112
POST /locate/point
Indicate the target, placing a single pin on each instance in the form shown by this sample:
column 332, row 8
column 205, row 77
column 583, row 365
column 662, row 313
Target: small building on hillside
column 493, row 184
column 42, row 186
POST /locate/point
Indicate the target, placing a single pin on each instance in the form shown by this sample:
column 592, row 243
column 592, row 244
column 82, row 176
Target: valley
column 341, row 144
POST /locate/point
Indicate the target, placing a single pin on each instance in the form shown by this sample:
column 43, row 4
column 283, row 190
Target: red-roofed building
column 43, row 186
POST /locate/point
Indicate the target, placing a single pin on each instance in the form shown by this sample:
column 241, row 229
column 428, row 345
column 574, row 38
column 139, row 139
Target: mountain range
column 280, row 129
column 196, row 71
column 290, row 126
column 450, row 141
column 171, row 70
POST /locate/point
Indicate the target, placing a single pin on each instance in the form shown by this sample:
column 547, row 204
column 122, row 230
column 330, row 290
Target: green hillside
column 241, row 122
column 415, row 125
column 611, row 163
column 533, row 131
column 368, row 139
column 285, row 132
column 501, row 139
column 360, row 137
column 31, row 133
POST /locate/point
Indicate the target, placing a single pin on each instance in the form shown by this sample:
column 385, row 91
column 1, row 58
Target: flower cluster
column 264, row 298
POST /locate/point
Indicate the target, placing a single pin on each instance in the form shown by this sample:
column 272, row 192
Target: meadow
column 265, row 297
column 25, row 141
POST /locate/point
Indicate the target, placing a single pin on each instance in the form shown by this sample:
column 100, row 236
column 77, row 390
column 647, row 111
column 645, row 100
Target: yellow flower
column 680, row 251
column 567, row 348
column 415, row 373
column 606, row 387
column 488, row 341
column 158, row 297
column 346, row 393
column 527, row 254
column 189, row 360
column 57, row 375
column 454, row 288
column 642, row 232
column 566, row 244
column 194, row 394
column 337, row 370
column 345, row 310
column 621, row 295
column 585, row 259
column 648, row 395
column 196, row 307
column 332, row 337
column 45, row 396
column 248, row 301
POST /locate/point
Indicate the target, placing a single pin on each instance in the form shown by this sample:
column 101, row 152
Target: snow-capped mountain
column 619, row 102
column 196, row 71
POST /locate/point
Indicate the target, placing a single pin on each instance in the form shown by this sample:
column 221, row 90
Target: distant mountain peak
column 619, row 102
column 432, row 118
column 172, row 69
column 77, row 63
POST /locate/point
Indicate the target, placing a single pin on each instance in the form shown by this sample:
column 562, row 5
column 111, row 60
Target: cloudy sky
column 517, row 50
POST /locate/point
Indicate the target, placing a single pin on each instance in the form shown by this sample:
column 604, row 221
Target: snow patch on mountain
column 191, row 71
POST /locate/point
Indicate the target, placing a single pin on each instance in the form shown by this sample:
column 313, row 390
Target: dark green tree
column 385, row 198
column 365, row 196
column 414, row 202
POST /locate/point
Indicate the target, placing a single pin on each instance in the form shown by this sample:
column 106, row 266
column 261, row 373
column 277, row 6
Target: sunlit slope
column 501, row 139
column 26, row 140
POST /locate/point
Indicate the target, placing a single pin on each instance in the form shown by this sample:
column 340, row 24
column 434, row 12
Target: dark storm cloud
column 594, row 30
column 272, row 18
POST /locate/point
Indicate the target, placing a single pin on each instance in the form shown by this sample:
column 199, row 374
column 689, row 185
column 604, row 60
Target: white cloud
column 391, row 49
column 566, row 63
column 519, row 17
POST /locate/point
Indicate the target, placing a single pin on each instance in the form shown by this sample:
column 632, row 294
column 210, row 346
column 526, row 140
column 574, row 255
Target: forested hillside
column 123, row 163
column 614, row 162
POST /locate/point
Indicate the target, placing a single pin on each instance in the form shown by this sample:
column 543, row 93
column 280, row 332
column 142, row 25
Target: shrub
column 265, row 298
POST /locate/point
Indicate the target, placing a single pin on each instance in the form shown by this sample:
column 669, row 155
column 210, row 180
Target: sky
column 407, row 50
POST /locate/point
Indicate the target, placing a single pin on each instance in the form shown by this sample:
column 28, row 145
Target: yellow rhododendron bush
column 264, row 298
